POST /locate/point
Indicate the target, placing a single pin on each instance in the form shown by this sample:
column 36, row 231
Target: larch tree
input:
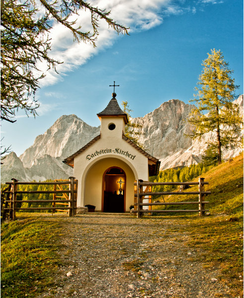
column 215, row 110
column 132, row 130
column 25, row 27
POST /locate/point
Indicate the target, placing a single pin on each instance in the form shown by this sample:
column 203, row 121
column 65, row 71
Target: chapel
column 107, row 167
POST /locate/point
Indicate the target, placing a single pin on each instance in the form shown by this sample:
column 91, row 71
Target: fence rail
column 66, row 202
column 141, row 191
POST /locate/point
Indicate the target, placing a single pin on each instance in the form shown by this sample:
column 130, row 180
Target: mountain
column 64, row 137
column 163, row 136
column 164, row 129
column 43, row 160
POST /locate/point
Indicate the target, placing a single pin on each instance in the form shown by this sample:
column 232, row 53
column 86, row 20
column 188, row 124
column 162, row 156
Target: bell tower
column 113, row 119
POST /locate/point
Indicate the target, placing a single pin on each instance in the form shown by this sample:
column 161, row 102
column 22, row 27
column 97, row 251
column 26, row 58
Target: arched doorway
column 114, row 185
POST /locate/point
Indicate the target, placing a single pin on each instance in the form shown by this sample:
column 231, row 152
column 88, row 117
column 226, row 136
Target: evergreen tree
column 215, row 112
column 175, row 177
column 24, row 42
column 132, row 130
column 210, row 156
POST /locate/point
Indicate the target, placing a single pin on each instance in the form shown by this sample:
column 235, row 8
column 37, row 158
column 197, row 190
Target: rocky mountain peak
column 163, row 135
column 68, row 134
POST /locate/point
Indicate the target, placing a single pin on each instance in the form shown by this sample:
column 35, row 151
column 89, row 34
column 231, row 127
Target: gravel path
column 118, row 255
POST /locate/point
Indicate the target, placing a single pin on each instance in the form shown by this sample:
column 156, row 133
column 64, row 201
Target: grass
column 219, row 244
column 226, row 186
column 134, row 265
column 219, row 237
column 28, row 256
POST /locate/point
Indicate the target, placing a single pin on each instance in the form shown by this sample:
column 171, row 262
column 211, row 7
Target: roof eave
column 114, row 116
column 70, row 160
column 153, row 159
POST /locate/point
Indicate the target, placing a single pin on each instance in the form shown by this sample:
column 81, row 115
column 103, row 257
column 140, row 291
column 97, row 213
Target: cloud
column 139, row 15
column 45, row 108
column 54, row 95
column 211, row 1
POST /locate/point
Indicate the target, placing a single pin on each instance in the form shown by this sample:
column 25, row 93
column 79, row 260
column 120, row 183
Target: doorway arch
column 114, row 186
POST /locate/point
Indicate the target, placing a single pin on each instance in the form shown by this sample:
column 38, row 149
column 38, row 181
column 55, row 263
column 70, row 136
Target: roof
column 70, row 160
column 113, row 109
column 153, row 162
column 150, row 157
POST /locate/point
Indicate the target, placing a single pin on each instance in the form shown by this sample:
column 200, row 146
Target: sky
column 161, row 59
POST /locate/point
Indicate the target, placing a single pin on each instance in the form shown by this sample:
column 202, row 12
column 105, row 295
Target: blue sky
column 159, row 61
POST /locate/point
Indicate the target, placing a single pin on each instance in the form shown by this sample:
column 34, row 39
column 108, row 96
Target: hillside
column 219, row 237
column 226, row 186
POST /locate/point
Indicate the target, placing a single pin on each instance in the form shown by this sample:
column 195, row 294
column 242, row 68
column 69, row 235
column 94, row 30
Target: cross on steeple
column 114, row 86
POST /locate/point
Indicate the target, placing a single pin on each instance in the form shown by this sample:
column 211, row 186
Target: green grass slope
column 219, row 237
column 28, row 256
column 226, row 186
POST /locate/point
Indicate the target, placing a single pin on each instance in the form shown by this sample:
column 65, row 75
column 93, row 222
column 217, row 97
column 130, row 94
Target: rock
column 68, row 134
column 43, row 160
column 81, row 210
column 131, row 287
column 13, row 167
column 164, row 128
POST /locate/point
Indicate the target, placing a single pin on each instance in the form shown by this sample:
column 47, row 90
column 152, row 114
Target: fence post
column 14, row 197
column 139, row 190
column 138, row 199
column 71, row 196
column 135, row 196
column 54, row 197
column 201, row 196
column 75, row 197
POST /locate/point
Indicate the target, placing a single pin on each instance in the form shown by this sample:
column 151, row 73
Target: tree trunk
column 219, row 147
column 218, row 137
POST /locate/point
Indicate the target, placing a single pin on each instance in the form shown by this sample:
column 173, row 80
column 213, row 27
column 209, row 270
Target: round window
column 111, row 126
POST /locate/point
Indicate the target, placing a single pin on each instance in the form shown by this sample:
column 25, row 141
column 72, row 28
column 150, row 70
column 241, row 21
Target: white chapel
column 107, row 167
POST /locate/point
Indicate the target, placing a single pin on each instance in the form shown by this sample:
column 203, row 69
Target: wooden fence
column 63, row 200
column 144, row 189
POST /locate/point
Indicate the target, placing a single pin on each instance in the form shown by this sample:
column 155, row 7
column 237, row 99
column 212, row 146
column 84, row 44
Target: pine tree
column 132, row 130
column 216, row 112
column 175, row 177
column 210, row 156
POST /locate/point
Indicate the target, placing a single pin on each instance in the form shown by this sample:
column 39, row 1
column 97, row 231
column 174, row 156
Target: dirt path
column 113, row 255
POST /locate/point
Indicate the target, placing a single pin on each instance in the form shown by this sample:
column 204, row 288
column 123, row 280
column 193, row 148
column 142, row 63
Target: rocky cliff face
column 43, row 160
column 64, row 137
column 164, row 129
column 163, row 136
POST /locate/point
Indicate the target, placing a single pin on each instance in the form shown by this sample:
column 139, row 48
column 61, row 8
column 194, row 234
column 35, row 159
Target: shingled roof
column 113, row 109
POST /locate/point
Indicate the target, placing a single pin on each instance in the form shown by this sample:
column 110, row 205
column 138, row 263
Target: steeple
column 113, row 110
